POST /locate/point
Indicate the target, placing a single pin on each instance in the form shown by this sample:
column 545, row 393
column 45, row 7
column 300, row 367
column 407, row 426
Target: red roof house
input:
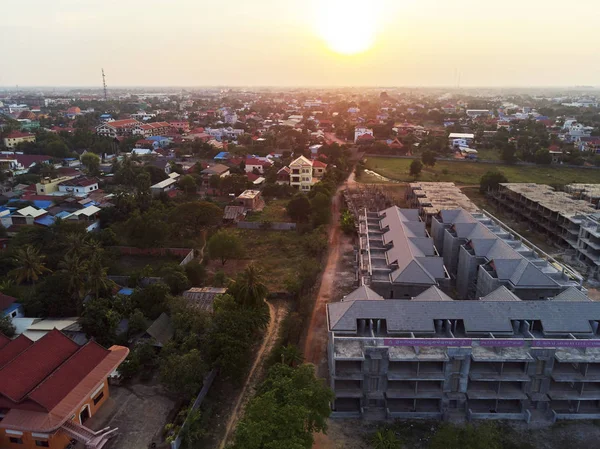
column 49, row 388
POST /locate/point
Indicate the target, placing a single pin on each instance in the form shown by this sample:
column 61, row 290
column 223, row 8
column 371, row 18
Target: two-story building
column 80, row 186
column 50, row 388
column 151, row 129
column 16, row 137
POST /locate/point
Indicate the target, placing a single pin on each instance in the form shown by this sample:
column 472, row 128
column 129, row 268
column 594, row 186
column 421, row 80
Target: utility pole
column 104, row 84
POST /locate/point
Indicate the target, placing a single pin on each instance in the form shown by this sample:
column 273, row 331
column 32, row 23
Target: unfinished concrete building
column 569, row 219
column 496, row 358
column 482, row 254
column 397, row 257
column 432, row 197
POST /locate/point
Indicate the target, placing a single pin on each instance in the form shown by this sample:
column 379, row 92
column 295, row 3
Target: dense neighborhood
column 209, row 256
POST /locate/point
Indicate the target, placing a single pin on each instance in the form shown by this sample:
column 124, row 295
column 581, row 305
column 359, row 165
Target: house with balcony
column 117, row 128
column 305, row 173
column 50, row 388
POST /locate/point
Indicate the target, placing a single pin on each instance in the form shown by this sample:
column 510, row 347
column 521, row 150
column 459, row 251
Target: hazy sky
column 285, row 42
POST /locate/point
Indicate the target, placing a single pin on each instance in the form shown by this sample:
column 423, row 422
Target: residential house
column 146, row 143
column 20, row 163
column 203, row 297
column 88, row 215
column 361, row 131
column 51, row 387
column 259, row 164
column 216, row 170
column 10, row 307
column 305, row 173
column 26, row 216
column 47, row 185
column 16, row 137
column 250, row 199
column 164, row 186
column 117, row 128
column 283, row 175
column 81, row 185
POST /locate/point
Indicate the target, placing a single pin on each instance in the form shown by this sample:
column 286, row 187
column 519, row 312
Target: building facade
column 495, row 358
column 15, row 138
column 304, row 173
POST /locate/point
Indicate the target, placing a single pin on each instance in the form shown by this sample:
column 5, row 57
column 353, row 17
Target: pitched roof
column 56, row 386
column 121, row 123
column 319, row 164
column 432, row 294
column 19, row 376
column 500, row 294
column 162, row 329
column 571, row 294
column 6, row 301
column 18, row 134
column 362, row 293
column 13, row 349
column 4, row 340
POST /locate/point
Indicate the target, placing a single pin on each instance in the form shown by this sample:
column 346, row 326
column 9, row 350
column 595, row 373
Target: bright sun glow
column 348, row 26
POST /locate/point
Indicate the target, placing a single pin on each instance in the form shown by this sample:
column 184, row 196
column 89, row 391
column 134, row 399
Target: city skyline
column 327, row 43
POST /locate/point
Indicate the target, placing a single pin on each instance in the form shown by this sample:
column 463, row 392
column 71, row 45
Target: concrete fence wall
column 208, row 381
column 272, row 226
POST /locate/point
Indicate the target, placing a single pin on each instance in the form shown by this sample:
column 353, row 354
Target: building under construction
column 569, row 219
column 432, row 197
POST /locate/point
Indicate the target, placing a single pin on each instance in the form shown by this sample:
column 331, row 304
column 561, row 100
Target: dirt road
column 278, row 310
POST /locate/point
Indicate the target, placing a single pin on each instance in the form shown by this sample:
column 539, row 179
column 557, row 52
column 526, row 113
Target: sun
column 347, row 27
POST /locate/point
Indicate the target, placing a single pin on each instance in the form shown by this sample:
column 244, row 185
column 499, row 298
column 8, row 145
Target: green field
column 471, row 172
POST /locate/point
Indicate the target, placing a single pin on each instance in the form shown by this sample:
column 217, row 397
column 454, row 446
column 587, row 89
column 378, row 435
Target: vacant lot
column 278, row 253
column 471, row 172
column 274, row 211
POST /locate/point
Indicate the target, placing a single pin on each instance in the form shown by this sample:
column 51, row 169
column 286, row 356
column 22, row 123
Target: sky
column 300, row 43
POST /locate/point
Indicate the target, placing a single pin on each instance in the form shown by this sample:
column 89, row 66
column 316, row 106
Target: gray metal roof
column 571, row 294
column 500, row 294
column 432, row 294
column 412, row 249
column 362, row 293
column 478, row 316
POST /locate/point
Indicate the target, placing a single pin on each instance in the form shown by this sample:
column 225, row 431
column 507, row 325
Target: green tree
column 299, row 208
column 98, row 282
column 29, row 265
column 385, row 439
column 174, row 276
column 100, row 321
column 91, row 162
column 183, row 373
column 151, row 300
column 225, row 245
column 428, row 158
column 491, row 181
column 188, row 219
column 193, row 430
column 137, row 322
column 249, row 288
column 187, row 184
column 291, row 355
column 543, row 157
column 320, row 206
column 415, row 168
column 75, row 271
column 347, row 222
column 7, row 327
column 290, row 406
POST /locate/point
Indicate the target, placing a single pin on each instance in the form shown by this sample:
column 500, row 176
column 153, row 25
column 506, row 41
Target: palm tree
column 291, row 355
column 75, row 243
column 386, row 439
column 249, row 288
column 97, row 280
column 30, row 265
column 75, row 270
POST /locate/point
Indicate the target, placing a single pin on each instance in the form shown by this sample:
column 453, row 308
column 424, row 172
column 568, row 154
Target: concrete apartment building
column 568, row 219
column 397, row 256
column 436, row 358
column 482, row 254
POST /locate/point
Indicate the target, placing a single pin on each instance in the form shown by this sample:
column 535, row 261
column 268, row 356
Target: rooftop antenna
column 104, row 84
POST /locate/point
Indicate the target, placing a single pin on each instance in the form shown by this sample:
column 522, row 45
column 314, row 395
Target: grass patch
column 489, row 154
column 277, row 253
column 471, row 172
column 274, row 211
